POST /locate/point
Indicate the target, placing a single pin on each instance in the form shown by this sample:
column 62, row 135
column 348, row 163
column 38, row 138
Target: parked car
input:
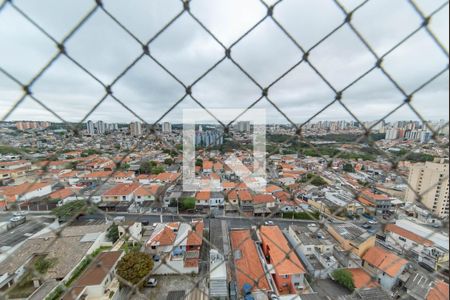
column 269, row 223
column 151, row 282
column 373, row 222
column 366, row 226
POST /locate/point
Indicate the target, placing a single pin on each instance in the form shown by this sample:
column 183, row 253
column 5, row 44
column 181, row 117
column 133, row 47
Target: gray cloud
column 104, row 49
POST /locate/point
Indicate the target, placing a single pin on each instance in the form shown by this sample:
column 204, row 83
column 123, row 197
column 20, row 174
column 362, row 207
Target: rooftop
column 278, row 249
column 385, row 261
column 249, row 268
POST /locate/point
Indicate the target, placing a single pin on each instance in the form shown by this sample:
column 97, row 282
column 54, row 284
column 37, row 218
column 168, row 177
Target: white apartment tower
column 430, row 180
column 136, row 129
column 166, row 127
column 90, row 128
column 244, row 126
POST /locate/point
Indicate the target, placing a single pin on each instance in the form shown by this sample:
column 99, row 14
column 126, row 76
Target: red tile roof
column 263, row 199
column 122, row 189
column 62, row 194
column 195, row 237
column 248, row 267
column 278, row 248
column 385, row 261
column 440, row 291
column 203, row 196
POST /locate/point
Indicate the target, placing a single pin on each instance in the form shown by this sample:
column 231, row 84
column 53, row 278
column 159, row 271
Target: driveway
column 328, row 288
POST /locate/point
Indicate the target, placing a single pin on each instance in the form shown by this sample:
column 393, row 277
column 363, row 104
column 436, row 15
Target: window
column 284, row 276
column 402, row 239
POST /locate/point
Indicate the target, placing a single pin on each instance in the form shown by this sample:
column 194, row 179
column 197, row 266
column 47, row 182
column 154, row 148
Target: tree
column 348, row 168
column 344, row 278
column 150, row 167
column 42, row 265
column 187, row 203
column 134, row 267
column 71, row 209
column 168, row 161
column 113, row 233
column 199, row 162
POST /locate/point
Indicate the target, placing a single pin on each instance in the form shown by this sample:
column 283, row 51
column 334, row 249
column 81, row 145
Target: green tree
column 187, row 203
column 348, row 168
column 69, row 210
column 168, row 161
column 344, row 278
column 42, row 265
column 199, row 162
column 113, row 233
column 134, row 267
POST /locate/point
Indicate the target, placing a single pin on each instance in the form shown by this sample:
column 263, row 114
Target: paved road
column 233, row 222
column 20, row 233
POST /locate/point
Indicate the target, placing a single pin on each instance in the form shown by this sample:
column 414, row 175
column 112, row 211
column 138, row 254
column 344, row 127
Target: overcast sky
column 185, row 49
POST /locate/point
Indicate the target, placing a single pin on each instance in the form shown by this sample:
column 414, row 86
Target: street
column 20, row 233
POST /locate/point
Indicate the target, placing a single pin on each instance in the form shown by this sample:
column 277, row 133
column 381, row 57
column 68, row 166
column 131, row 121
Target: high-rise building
column 392, row 134
column 90, row 128
column 136, row 129
column 100, row 127
column 166, row 127
column 430, row 180
column 244, row 126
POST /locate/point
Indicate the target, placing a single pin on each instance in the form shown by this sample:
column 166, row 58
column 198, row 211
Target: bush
column 314, row 180
column 113, row 233
column 348, row 168
column 78, row 270
column 42, row 265
column 186, row 203
column 56, row 294
column 134, row 267
column 344, row 278
column 69, row 210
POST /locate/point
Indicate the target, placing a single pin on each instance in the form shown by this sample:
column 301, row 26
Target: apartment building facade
column 431, row 181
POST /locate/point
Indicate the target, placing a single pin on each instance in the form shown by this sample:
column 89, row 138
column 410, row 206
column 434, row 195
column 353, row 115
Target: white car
column 151, row 282
column 373, row 222
column 268, row 223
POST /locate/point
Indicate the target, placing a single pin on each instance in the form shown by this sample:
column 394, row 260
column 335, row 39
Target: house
column 124, row 177
column 314, row 248
column 351, row 237
column 217, row 199
column 176, row 247
column 146, row 193
column 121, row 192
column 15, row 165
column 203, row 199
column 97, row 176
column 288, row 273
column 233, row 198
column 262, row 203
column 249, row 269
column 167, row 177
column 24, row 192
column 99, row 280
column 378, row 202
column 384, row 265
column 208, row 167
column 64, row 195
column 246, row 201
column 425, row 250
